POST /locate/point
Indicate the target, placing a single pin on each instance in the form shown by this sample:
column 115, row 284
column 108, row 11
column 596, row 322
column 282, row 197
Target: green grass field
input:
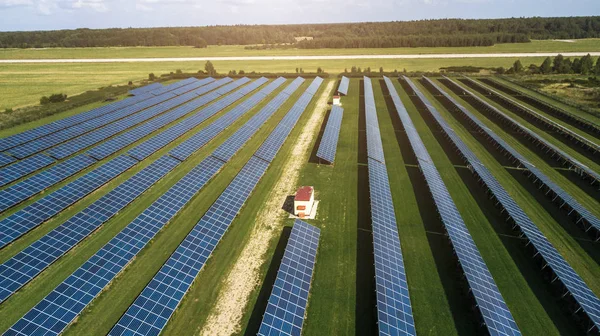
column 583, row 45
column 342, row 293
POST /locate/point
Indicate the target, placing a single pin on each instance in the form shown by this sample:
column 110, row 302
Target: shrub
column 44, row 100
column 151, row 76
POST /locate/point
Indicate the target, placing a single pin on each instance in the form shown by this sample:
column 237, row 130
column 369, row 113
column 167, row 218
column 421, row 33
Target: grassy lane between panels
column 28, row 296
column 528, row 313
column 494, row 240
column 41, row 230
column 129, row 284
column 571, row 109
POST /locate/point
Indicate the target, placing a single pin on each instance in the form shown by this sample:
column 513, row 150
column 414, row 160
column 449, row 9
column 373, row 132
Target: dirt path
column 226, row 316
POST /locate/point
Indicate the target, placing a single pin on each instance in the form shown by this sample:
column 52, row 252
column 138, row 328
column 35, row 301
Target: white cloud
column 15, row 3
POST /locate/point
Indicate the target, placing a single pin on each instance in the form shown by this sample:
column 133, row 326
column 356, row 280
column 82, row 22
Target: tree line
column 560, row 65
column 447, row 32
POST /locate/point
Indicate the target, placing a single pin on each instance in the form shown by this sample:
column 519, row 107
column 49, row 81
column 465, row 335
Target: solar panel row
column 27, row 264
column 329, row 141
column 22, row 168
column 45, row 208
column 574, row 285
column 157, row 302
column 78, row 290
column 32, row 134
column 542, row 105
column 490, row 303
column 344, row 84
column 158, row 141
column 186, row 84
column 6, row 159
column 567, row 159
column 25, row 189
column 591, row 221
column 394, row 310
column 516, row 106
column 289, row 298
column 145, row 89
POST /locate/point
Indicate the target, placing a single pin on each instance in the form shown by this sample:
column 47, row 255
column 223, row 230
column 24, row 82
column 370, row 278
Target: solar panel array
column 22, row 168
column 565, row 199
column 574, row 285
column 79, row 289
column 329, row 141
column 45, row 208
column 344, row 84
column 582, row 141
column 32, row 134
column 25, row 189
column 145, row 89
column 568, row 159
column 27, row 264
column 394, row 310
column 6, row 159
column 490, row 303
column 158, row 141
column 289, row 298
column 188, row 84
column 542, row 105
column 154, row 306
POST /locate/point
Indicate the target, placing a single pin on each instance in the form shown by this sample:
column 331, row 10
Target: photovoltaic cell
column 490, row 303
column 6, row 159
column 145, row 89
column 289, row 298
column 25, row 189
column 394, row 310
column 30, row 262
column 45, row 208
column 328, row 146
column 344, row 84
column 23, row 168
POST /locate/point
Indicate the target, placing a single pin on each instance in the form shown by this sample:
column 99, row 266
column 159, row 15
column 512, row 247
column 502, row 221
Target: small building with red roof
column 304, row 201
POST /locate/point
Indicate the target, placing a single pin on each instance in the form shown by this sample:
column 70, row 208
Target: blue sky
column 68, row 14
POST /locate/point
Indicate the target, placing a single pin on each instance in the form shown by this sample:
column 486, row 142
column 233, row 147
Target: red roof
column 303, row 194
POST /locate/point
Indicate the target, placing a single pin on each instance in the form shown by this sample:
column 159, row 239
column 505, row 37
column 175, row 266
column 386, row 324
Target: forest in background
column 424, row 33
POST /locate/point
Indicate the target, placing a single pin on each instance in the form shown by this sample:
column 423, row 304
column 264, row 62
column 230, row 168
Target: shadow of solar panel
column 289, row 298
column 45, row 208
column 344, row 84
column 30, row 262
column 25, row 189
column 23, row 168
column 490, row 303
column 329, row 141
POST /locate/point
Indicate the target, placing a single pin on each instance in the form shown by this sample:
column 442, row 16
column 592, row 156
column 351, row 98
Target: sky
column 70, row 14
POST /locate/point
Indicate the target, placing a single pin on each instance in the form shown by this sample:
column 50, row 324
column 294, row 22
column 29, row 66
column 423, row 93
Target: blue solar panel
column 30, row 262
column 329, row 141
column 45, row 208
column 580, row 210
column 344, row 84
column 394, row 310
column 145, row 89
column 23, row 168
column 63, row 135
column 289, row 298
column 186, row 84
column 158, row 141
column 6, row 159
column 491, row 305
column 271, row 146
column 32, row 134
column 25, row 189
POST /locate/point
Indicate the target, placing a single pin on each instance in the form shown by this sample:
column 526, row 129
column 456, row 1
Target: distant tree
column 576, row 66
column 533, row 69
column 44, row 100
column 566, row 66
column 178, row 71
column 297, row 70
column 557, row 63
column 517, row 67
column 546, row 66
column 130, row 83
column 301, row 70
column 587, row 64
column 380, row 70
column 199, row 42
column 597, row 67
column 210, row 68
column 8, row 110
column 345, row 70
column 368, row 70
column 358, row 70
column 241, row 72
column 354, row 70
column 500, row 70
column 319, row 70
column 404, row 70
column 57, row 98
column 151, row 77
column 395, row 72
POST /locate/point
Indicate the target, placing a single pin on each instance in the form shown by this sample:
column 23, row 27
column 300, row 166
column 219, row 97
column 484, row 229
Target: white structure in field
column 304, row 201
column 337, row 100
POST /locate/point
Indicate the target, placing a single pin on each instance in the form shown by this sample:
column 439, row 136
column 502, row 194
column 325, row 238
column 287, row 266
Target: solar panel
column 158, row 141
column 23, row 168
column 78, row 290
column 344, row 84
column 145, row 89
column 32, row 134
column 573, row 283
column 25, row 189
column 565, row 198
column 491, row 305
column 329, row 141
column 27, row 264
column 289, row 298
column 45, row 208
column 186, row 84
column 6, row 159
column 394, row 310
